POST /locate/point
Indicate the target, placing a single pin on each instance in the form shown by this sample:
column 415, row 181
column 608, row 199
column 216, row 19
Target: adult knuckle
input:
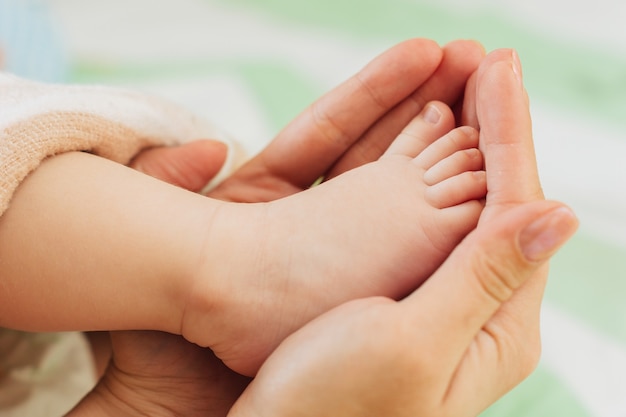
column 497, row 278
column 371, row 92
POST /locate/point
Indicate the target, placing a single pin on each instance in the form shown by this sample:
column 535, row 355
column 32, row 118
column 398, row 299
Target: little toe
column 435, row 120
column 461, row 161
column 467, row 186
column 461, row 138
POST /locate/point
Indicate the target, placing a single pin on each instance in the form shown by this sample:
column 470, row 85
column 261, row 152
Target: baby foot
column 380, row 229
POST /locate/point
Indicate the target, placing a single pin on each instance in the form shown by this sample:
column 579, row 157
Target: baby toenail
column 431, row 114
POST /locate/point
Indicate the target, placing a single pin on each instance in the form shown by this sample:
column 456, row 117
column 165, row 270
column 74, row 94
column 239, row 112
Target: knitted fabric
column 41, row 120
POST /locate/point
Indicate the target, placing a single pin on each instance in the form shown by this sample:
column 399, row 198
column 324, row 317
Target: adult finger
column 460, row 59
column 482, row 273
column 468, row 109
column 190, row 166
column 501, row 109
column 312, row 143
column 506, row 132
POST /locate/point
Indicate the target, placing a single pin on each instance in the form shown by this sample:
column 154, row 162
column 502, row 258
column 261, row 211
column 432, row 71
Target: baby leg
column 380, row 229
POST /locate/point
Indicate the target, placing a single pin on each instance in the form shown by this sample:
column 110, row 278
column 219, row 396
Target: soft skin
column 490, row 339
column 113, row 242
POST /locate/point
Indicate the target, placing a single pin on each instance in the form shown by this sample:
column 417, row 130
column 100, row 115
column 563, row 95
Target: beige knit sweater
column 39, row 120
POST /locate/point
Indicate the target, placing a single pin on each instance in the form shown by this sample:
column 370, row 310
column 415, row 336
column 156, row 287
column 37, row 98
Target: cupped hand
column 350, row 126
column 446, row 350
column 467, row 335
column 355, row 123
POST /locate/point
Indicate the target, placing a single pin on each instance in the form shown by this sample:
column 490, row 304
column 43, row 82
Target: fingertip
column 470, row 52
column 422, row 52
column 204, row 158
column 499, row 54
column 470, row 46
column 478, row 46
column 190, row 166
column 210, row 148
column 420, row 43
column 505, row 55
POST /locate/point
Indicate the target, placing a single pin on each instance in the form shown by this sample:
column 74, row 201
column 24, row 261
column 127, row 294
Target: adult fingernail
column 431, row 114
column 517, row 66
column 545, row 235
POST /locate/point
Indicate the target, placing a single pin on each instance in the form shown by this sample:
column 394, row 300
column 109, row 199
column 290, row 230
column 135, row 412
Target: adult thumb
column 486, row 270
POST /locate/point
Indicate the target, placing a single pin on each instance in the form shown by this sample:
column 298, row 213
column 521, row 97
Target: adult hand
column 348, row 127
column 355, row 123
column 467, row 335
column 160, row 374
column 190, row 166
column 450, row 349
